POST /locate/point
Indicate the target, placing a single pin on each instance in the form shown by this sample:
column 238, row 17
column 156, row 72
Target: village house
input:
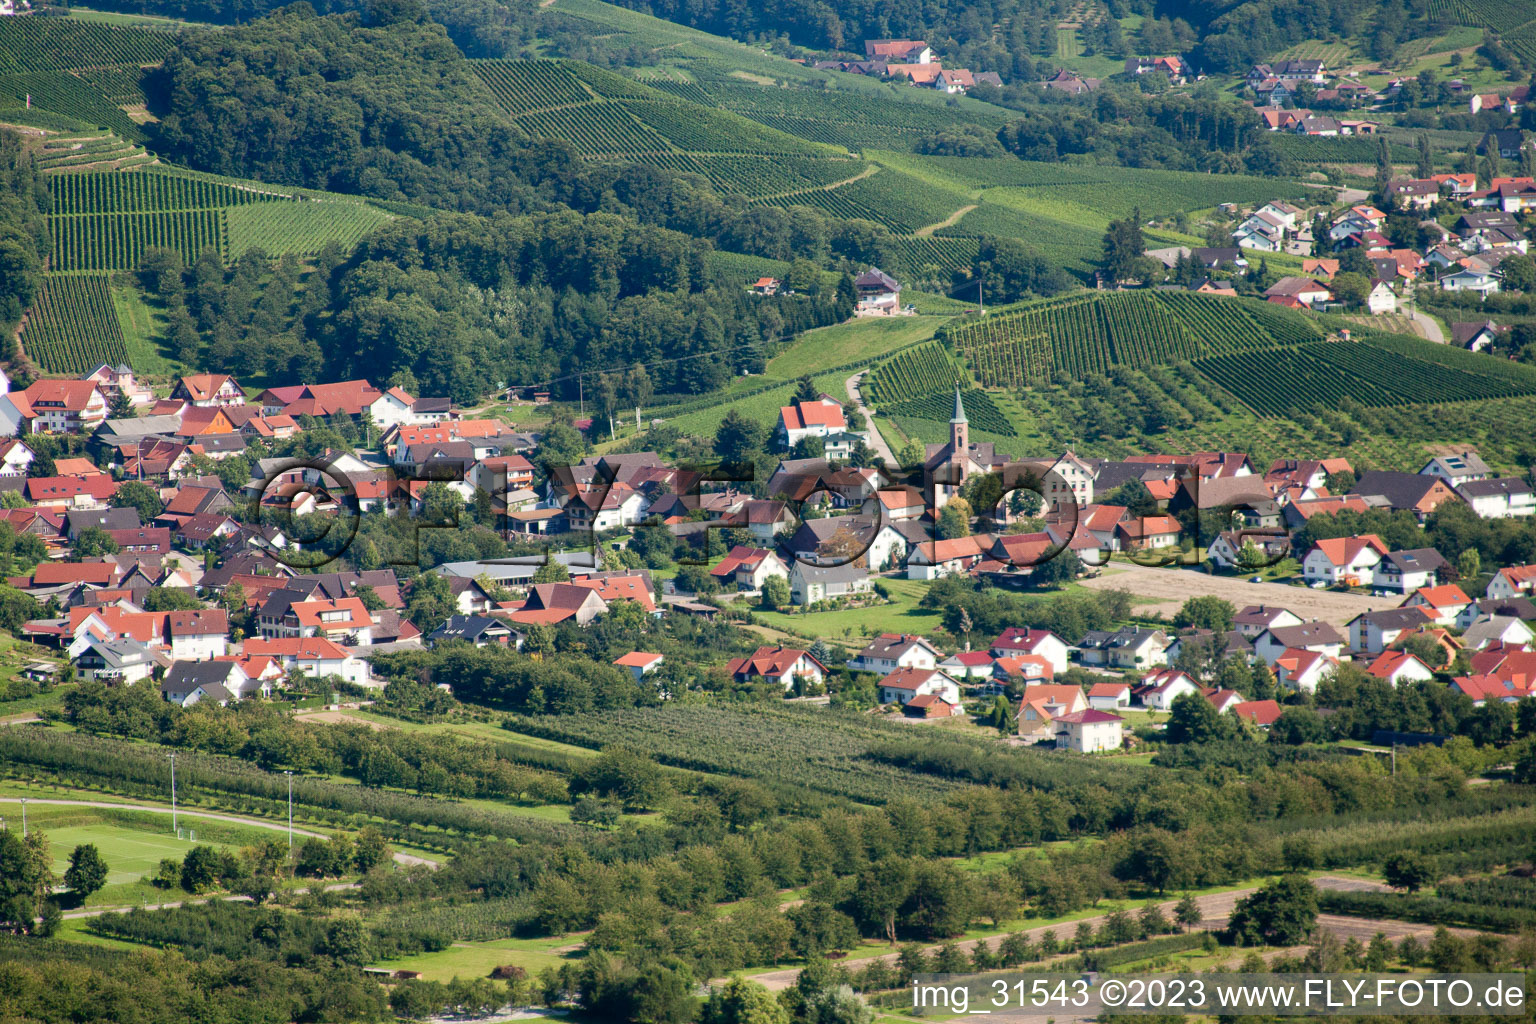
column 1158, row 690
column 1512, row 581
column 904, row 684
column 1398, row 667
column 479, row 630
column 1418, row 493
column 1089, row 732
column 891, row 651
column 1017, row 640
column 877, row 291
column 1350, row 561
column 1129, row 647
column 53, row 407
column 1374, row 632
column 1315, row 636
column 1109, row 696
column 1304, row 670
column 809, row 584
column 777, row 664
column 804, row 419
column 1443, row 603
column 748, row 568
column 1407, row 571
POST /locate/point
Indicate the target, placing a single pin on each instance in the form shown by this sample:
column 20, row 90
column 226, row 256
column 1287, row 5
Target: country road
column 1215, row 908
column 1166, row 589
column 1430, row 327
column 405, row 859
column 876, row 441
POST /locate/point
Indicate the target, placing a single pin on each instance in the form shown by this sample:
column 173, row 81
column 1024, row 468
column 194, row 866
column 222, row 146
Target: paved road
column 1429, row 326
column 851, row 385
column 276, row 826
column 1215, row 909
column 1170, row 588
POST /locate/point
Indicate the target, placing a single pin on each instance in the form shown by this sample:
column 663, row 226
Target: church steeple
column 959, row 426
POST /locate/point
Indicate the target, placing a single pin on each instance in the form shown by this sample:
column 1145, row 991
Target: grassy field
column 478, row 959
column 902, row 615
column 131, row 842
column 867, row 338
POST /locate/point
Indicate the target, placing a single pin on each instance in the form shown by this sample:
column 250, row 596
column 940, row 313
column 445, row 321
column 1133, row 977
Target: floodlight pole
column 174, row 827
column 290, row 810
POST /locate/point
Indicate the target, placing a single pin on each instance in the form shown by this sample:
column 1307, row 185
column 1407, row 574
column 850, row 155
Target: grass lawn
column 478, row 959
column 132, row 844
column 840, row 344
column 143, row 330
column 902, row 615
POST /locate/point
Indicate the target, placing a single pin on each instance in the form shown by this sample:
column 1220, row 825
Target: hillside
column 1115, row 373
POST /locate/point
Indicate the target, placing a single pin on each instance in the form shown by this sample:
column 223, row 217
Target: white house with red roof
column 15, row 457
column 1158, row 690
column 1262, row 713
column 1443, row 603
column 1222, row 700
column 809, row 419
column 344, row 620
column 1019, row 640
column 639, row 663
column 312, row 656
column 1398, row 667
column 1030, row 669
column 1301, row 669
column 206, row 390
column 964, row 665
column 1485, row 688
column 1347, row 560
column 777, row 664
column 749, row 568
column 900, row 686
column 53, row 407
column 1090, row 731
column 1512, row 581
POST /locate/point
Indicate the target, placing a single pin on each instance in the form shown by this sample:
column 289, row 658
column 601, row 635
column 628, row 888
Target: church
column 947, row 466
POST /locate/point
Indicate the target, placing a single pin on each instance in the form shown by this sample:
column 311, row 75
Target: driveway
column 1164, row 590
column 875, row 440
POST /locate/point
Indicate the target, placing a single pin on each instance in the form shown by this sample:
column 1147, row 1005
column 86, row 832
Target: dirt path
column 878, row 443
column 1215, row 909
column 866, row 172
column 947, row 222
column 276, row 826
column 1167, row 589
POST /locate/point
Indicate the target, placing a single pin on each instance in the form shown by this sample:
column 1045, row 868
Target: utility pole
column 581, row 394
column 290, row 811
column 23, row 817
column 173, row 797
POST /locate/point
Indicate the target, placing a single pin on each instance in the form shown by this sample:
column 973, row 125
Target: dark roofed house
column 480, row 630
column 1418, row 493
column 877, row 290
column 102, row 519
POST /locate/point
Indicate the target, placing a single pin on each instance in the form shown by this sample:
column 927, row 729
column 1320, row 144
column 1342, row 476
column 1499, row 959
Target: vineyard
column 299, row 227
column 73, row 326
column 63, row 93
column 61, row 44
column 980, row 411
column 920, row 370
column 1089, row 334
column 116, row 241
column 144, row 192
column 1370, row 373
column 90, row 151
